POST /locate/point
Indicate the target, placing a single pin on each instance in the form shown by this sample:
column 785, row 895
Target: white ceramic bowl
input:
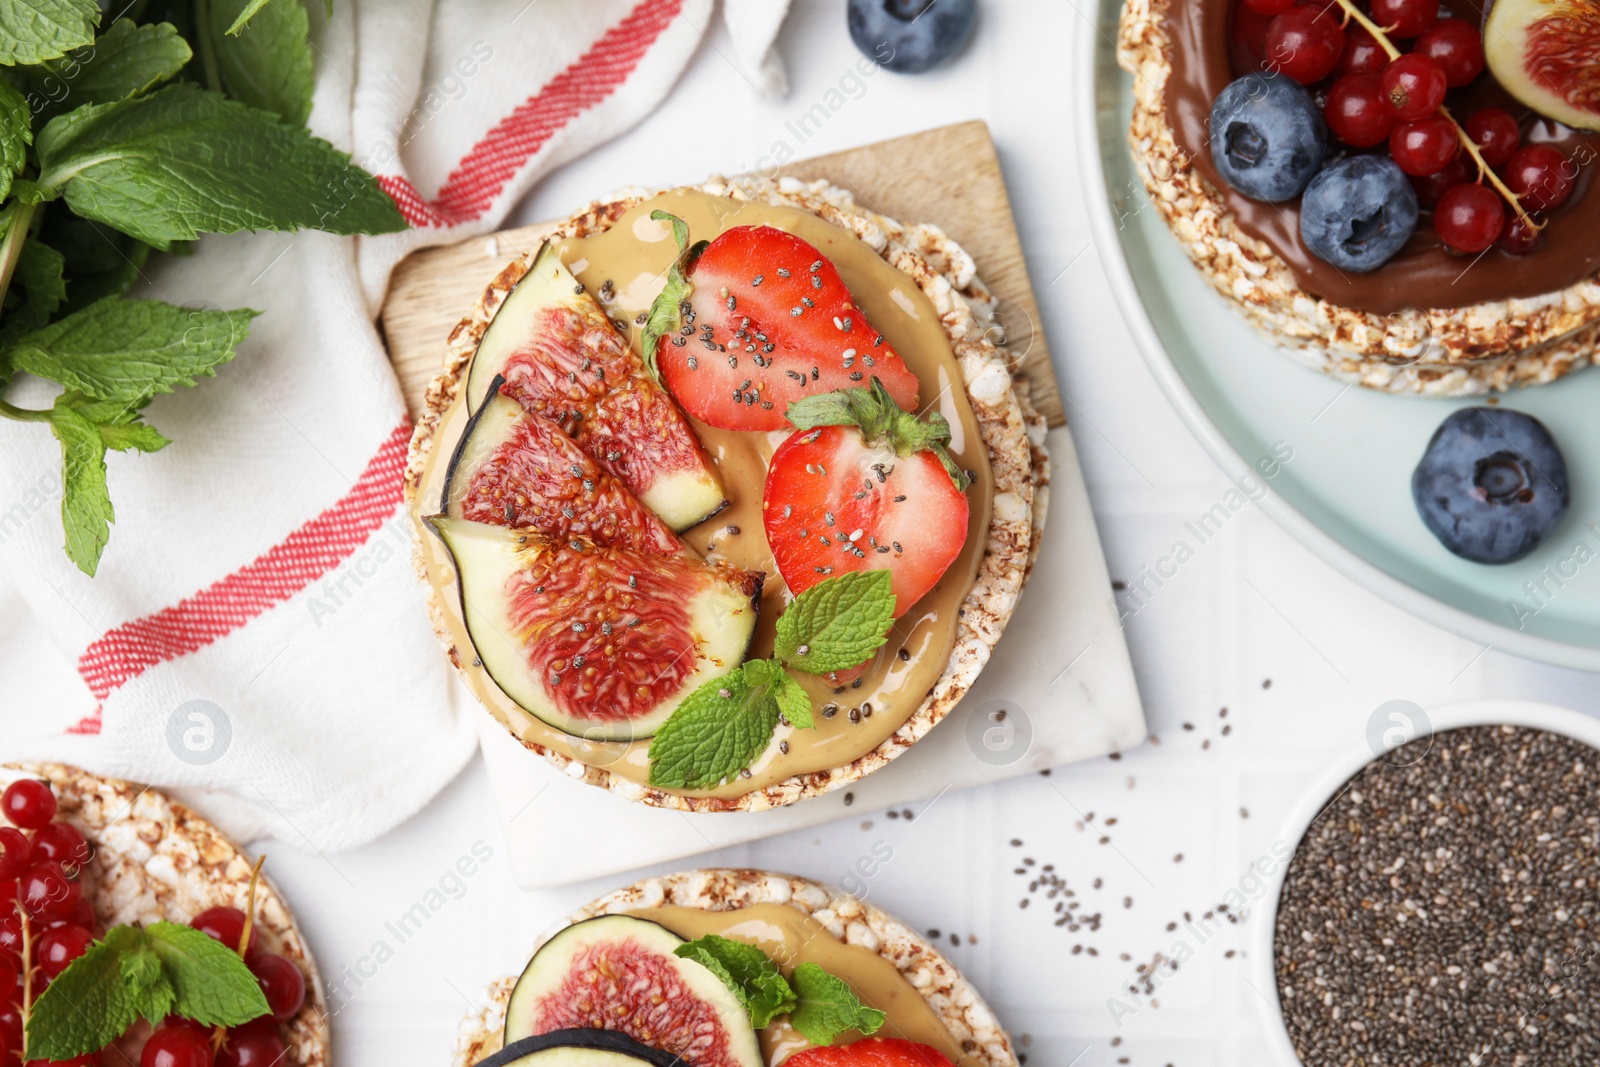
column 1264, row 919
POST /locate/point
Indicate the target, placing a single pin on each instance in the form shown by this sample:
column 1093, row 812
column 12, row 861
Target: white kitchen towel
column 255, row 635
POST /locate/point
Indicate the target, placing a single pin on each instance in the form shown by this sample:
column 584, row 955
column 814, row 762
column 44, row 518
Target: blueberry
column 911, row 36
column 1358, row 213
column 1267, row 136
column 1491, row 485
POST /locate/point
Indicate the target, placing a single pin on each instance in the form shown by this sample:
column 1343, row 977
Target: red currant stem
column 1485, row 172
column 27, row 975
column 250, row 909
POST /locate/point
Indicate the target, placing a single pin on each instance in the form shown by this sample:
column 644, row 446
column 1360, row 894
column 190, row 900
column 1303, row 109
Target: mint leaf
column 16, row 134
column 793, row 701
column 716, row 732
column 837, row 623
column 182, row 161
column 251, row 10
column 32, row 31
column 123, row 61
column 746, row 970
column 829, row 1007
column 265, row 62
column 212, row 983
column 38, row 288
column 97, row 998
column 133, row 436
column 666, row 311
column 86, row 514
column 130, row 350
column 100, row 261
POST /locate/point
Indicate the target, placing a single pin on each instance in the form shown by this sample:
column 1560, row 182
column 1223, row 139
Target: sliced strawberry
column 864, row 486
column 760, row 319
column 871, row 1052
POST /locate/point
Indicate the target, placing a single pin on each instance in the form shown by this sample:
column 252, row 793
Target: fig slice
column 515, row 469
column 563, row 360
column 601, row 643
column 617, row 972
column 581, row 1048
column 1543, row 52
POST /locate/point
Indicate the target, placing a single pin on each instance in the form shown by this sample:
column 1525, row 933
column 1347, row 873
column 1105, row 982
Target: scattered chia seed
column 1444, row 904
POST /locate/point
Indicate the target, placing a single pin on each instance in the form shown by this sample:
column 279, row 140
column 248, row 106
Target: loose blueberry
column 1267, row 136
column 911, row 36
column 1358, row 212
column 1491, row 485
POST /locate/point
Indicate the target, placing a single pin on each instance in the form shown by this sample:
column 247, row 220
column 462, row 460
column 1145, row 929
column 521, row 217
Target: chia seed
column 1444, row 903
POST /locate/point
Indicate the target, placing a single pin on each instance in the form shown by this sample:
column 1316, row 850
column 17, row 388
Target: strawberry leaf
column 837, row 623
column 880, row 420
column 666, row 312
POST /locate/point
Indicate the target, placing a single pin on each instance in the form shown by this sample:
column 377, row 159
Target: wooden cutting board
column 949, row 176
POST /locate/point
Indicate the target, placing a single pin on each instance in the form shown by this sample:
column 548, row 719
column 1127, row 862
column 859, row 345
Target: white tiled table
column 1253, row 605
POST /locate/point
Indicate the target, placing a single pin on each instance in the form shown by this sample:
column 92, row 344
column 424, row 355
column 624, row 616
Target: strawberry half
column 872, row 1052
column 865, row 485
column 758, row 319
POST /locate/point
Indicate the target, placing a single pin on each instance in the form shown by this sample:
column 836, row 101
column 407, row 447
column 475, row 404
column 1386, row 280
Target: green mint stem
column 11, row 247
column 11, row 411
column 208, row 49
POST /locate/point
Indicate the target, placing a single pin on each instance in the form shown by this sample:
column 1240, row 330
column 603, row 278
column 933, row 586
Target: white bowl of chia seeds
column 1442, row 905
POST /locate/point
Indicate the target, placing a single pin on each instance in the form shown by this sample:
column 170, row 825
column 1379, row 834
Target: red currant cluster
column 45, row 918
column 1371, row 97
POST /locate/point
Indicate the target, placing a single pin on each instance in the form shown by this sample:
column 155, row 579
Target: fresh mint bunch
column 181, row 118
column 722, row 727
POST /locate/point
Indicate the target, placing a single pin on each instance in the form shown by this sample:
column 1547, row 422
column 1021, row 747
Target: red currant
column 1362, row 53
column 10, row 974
column 1457, row 46
column 1541, row 175
column 10, row 1025
column 282, row 983
column 1520, row 238
column 1356, row 111
column 1269, row 7
column 255, row 1044
column 1305, row 43
column 59, row 946
column 1425, row 146
column 1495, row 133
column 1414, row 86
column 1469, row 217
column 11, row 934
column 177, row 1046
column 90, row 1060
column 82, row 914
column 227, row 925
column 63, row 843
column 29, row 803
column 46, row 890
column 1405, row 18
column 15, row 850
column 1430, row 187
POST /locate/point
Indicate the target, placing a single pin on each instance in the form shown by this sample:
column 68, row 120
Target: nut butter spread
column 634, row 255
column 1208, row 52
column 792, row 938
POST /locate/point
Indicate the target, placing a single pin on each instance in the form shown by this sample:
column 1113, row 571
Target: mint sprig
column 819, row 1004
column 725, row 724
column 749, row 972
column 828, row 1007
column 121, row 140
column 134, row 974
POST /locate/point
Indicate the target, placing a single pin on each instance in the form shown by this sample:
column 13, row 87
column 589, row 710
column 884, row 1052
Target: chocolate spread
column 1207, row 55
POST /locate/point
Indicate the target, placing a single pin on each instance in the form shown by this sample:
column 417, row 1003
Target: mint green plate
column 1346, row 492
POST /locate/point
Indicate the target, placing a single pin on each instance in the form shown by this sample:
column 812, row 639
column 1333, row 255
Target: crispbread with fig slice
column 1010, row 429
column 970, row 1022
